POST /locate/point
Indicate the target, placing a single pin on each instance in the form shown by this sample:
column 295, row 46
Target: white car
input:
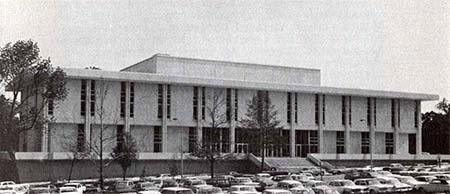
column 68, row 190
column 289, row 184
column 397, row 185
column 347, row 186
column 176, row 190
column 443, row 176
column 242, row 189
column 6, row 183
column 374, row 185
column 410, row 181
column 276, row 191
column 80, row 188
column 13, row 189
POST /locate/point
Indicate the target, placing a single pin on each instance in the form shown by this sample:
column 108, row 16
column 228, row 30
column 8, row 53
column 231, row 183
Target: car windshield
column 198, row 182
column 66, row 190
column 293, row 185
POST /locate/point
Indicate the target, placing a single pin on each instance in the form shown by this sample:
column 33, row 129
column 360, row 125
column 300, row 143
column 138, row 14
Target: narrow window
column 203, row 103
column 123, row 94
column 416, row 114
column 398, row 114
column 323, row 109
column 50, row 106
column 83, row 98
column 160, row 100
column 393, row 113
column 157, row 139
column 93, row 98
column 81, row 139
column 168, row 101
column 369, row 112
column 350, row 110
column 296, row 108
column 195, row 104
column 343, row 111
column 228, row 104
column 340, row 146
column 316, row 109
column 192, row 139
column 374, row 111
column 131, row 99
column 412, row 143
column 288, row 108
column 313, row 142
column 365, row 142
column 120, row 135
column 389, row 143
column 236, row 103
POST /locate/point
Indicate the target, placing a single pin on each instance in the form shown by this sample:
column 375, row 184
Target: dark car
column 353, row 175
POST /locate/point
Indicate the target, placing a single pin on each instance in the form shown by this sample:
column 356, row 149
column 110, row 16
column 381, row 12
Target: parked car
column 426, row 179
column 245, row 181
column 242, row 189
column 194, row 184
column 314, row 183
column 123, row 187
column 42, row 190
column 176, row 190
column 210, row 190
column 143, row 187
column 410, row 181
column 435, row 185
column 347, row 186
column 278, row 178
column 443, row 176
column 324, row 190
column 301, row 190
column 6, row 183
column 397, row 185
column 374, row 185
column 276, row 191
column 353, row 175
column 68, row 190
column 301, row 178
column 80, row 188
column 289, row 184
column 13, row 189
column 219, row 182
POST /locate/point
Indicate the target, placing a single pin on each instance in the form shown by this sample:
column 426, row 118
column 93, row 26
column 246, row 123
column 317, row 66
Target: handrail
column 318, row 162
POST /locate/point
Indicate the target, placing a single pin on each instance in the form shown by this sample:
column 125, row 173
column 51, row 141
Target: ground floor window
column 246, row 142
column 306, row 141
column 389, row 143
column 192, row 139
column 340, row 142
column 216, row 139
column 157, row 139
column 365, row 142
column 81, row 138
column 412, row 143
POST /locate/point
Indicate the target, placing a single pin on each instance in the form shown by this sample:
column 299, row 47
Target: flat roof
column 239, row 84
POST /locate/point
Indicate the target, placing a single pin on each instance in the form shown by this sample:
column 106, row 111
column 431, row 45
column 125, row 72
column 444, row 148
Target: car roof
column 176, row 189
column 276, row 190
column 289, row 181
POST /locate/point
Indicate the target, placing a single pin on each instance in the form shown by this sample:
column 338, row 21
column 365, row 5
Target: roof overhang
column 221, row 83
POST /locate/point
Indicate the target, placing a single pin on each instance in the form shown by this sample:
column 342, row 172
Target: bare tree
column 76, row 152
column 125, row 153
column 261, row 122
column 216, row 118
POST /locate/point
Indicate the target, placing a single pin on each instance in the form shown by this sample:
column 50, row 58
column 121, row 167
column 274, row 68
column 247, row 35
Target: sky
column 401, row 45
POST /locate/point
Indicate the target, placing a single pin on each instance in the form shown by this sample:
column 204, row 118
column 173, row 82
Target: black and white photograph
column 224, row 97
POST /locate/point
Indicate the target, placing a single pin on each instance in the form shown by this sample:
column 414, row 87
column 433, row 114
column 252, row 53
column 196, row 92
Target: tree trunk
column 262, row 158
column 14, row 171
column 71, row 168
column 124, row 170
column 212, row 168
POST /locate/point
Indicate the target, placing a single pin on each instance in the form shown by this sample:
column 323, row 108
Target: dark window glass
column 50, row 106
column 296, row 108
column 288, row 108
column 365, row 142
column 160, row 100
column 93, row 97
column 375, row 111
column 412, row 143
column 123, row 94
column 83, row 98
column 131, row 99
column 120, row 135
column 316, row 109
column 416, row 114
column 157, row 139
column 340, row 142
column 393, row 113
column 343, row 111
column 81, row 138
column 192, row 139
column 228, row 104
column 389, row 143
column 195, row 104
column 323, row 109
column 369, row 113
column 169, row 101
column 203, row 103
column 236, row 103
column 350, row 110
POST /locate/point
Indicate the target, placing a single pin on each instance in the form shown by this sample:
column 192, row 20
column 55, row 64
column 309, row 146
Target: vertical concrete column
column 200, row 116
column 292, row 127
column 347, row 139
column 321, row 125
column 87, row 121
column 419, row 128
column 164, row 119
column 372, row 125
column 396, row 126
column 127, row 108
column 232, row 133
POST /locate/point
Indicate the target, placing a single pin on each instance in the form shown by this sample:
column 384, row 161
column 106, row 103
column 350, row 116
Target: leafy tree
column 436, row 129
column 125, row 153
column 32, row 82
column 216, row 117
column 261, row 122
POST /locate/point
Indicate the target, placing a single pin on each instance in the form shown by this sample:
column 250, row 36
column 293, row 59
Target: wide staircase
column 285, row 164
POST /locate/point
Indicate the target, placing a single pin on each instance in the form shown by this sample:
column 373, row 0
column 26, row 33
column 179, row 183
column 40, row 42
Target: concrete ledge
column 379, row 157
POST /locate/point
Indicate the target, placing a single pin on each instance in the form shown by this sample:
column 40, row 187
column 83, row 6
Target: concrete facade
column 168, row 83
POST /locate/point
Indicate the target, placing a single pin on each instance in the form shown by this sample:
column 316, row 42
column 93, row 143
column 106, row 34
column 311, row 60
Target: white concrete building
column 162, row 101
